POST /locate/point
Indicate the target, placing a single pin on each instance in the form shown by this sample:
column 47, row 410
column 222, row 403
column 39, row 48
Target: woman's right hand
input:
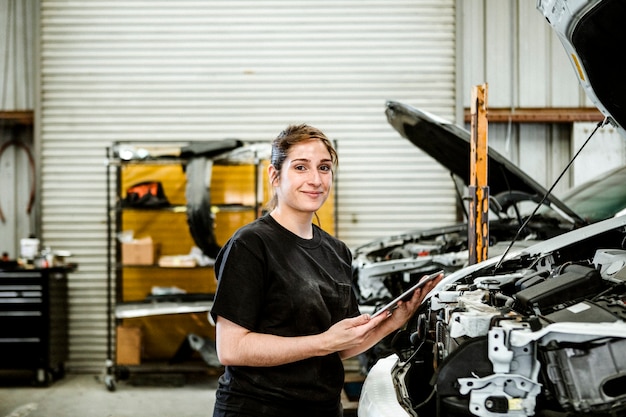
column 351, row 333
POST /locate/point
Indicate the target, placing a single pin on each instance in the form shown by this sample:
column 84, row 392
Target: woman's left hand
column 406, row 309
column 371, row 330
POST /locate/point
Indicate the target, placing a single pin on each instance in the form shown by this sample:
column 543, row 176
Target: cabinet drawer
column 22, row 324
column 21, row 353
column 21, row 297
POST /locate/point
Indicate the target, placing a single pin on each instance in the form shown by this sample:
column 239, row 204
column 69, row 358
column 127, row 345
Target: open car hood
column 449, row 145
column 592, row 32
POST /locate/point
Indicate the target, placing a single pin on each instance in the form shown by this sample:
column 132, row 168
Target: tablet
column 407, row 294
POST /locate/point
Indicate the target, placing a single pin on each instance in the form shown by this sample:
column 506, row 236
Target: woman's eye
column 325, row 168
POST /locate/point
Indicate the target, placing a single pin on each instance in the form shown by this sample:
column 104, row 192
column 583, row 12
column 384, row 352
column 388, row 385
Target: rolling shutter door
column 166, row 71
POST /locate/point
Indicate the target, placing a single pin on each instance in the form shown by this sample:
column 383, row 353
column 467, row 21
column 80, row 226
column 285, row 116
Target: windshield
column 598, row 199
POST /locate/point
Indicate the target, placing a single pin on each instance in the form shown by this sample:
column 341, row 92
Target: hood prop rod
column 519, row 231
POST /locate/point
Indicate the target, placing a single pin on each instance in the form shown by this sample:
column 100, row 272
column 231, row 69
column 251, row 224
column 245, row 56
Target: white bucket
column 29, row 248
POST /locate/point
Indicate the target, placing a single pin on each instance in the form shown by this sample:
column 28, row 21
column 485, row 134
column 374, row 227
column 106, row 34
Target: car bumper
column 378, row 396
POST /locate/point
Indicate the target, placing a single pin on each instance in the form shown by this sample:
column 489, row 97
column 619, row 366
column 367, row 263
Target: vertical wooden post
column 478, row 222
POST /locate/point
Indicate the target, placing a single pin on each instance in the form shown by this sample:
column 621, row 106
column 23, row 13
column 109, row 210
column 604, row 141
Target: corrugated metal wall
column 17, row 84
column 509, row 45
column 542, row 150
column 208, row 70
column 17, row 54
column 18, row 187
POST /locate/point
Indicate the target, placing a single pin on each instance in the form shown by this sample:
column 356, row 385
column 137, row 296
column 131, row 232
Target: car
column 533, row 330
column 384, row 267
column 591, row 32
column 539, row 332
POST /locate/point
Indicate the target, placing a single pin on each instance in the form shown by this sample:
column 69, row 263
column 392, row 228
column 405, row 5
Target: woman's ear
column 272, row 174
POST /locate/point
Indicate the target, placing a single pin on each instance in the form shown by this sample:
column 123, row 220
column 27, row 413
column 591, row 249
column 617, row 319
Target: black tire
column 200, row 218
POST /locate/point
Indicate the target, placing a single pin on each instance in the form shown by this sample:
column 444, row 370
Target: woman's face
column 305, row 179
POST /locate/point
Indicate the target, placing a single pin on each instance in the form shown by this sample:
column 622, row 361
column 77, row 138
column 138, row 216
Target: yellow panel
column 171, row 177
column 229, row 221
column 139, row 280
column 233, row 197
column 169, row 230
column 233, row 184
column 161, row 336
column 327, row 215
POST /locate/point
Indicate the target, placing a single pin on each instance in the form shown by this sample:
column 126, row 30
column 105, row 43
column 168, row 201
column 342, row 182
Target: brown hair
column 293, row 135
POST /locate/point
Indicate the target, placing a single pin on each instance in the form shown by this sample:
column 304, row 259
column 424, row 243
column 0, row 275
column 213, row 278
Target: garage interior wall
column 510, row 45
column 18, row 180
column 207, row 70
column 163, row 71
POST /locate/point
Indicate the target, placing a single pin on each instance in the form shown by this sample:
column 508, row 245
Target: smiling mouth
column 313, row 193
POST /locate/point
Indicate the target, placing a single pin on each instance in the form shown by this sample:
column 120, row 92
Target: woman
column 284, row 310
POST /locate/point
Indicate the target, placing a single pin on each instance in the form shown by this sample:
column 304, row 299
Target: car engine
column 541, row 334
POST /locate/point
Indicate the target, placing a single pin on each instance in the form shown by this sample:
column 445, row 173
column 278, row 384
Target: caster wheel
column 43, row 378
column 110, row 383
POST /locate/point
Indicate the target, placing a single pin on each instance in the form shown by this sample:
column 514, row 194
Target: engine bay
column 543, row 333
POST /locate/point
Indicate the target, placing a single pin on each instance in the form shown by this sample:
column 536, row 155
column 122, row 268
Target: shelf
column 215, row 208
column 180, row 268
column 20, row 117
column 142, row 309
column 136, row 153
column 234, row 195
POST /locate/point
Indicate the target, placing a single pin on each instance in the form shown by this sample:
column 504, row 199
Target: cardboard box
column 139, row 252
column 128, row 345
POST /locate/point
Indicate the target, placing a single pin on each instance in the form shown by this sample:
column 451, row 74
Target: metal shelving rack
column 247, row 154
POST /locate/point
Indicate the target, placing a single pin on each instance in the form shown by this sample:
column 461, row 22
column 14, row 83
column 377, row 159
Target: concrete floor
column 86, row 395
column 139, row 394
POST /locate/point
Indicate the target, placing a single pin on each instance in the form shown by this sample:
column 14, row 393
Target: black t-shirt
column 272, row 281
